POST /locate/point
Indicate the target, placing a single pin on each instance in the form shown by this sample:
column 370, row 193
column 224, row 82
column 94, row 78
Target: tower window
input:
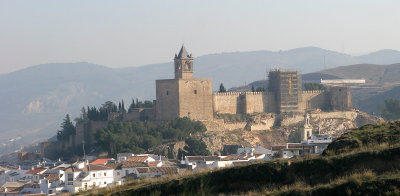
column 195, row 91
column 166, row 92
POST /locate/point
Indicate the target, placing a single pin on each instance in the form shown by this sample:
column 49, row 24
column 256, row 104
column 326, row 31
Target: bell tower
column 183, row 64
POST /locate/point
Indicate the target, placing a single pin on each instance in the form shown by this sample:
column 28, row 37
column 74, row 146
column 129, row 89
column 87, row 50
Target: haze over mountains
column 36, row 99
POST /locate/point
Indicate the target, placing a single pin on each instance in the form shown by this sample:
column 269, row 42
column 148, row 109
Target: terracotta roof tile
column 138, row 158
column 101, row 161
column 164, row 170
column 35, row 171
column 143, row 170
column 114, row 165
column 153, row 163
column 130, row 164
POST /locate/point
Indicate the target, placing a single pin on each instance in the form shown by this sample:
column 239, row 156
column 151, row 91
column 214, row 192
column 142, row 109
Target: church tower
column 183, row 64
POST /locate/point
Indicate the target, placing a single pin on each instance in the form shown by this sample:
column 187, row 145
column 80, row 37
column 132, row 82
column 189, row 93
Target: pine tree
column 222, row 88
column 123, row 107
column 67, row 129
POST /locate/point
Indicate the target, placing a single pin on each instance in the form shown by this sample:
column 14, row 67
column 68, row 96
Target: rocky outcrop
column 262, row 130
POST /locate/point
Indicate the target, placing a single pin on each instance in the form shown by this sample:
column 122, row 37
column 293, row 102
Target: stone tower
column 286, row 85
column 183, row 64
column 184, row 96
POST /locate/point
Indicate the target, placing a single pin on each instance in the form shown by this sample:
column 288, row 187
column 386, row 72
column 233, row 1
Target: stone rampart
column 244, row 102
column 314, row 100
column 226, row 103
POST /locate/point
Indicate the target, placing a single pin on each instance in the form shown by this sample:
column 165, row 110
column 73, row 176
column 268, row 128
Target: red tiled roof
column 138, row 158
column 164, row 170
column 35, row 171
column 130, row 164
column 101, row 161
column 153, row 163
column 143, row 170
column 114, row 165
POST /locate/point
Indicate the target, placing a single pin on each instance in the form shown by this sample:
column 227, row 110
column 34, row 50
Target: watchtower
column 287, row 88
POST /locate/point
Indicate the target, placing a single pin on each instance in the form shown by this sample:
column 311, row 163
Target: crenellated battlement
column 313, row 92
column 241, row 93
column 226, row 93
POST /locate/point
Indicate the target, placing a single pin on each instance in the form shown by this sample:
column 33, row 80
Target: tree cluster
column 136, row 137
column 308, row 86
column 140, row 104
column 391, row 109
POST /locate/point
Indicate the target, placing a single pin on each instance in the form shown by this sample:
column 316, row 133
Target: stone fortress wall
column 244, row 102
column 186, row 96
column 264, row 102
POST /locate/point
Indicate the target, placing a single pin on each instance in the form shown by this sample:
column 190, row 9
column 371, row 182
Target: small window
column 105, row 173
column 195, row 91
column 104, row 182
column 118, row 174
column 166, row 92
column 94, row 175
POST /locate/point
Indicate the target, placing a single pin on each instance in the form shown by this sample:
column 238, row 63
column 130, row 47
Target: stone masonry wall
column 195, row 98
column 167, row 105
column 244, row 102
column 340, row 98
column 314, row 100
column 226, row 103
column 259, row 102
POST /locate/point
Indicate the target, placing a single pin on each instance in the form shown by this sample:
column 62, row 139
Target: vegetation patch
column 368, row 136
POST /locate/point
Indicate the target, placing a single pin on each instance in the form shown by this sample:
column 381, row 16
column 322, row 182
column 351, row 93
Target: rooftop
column 101, row 161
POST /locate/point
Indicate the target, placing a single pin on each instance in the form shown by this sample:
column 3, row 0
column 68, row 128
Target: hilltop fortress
column 186, row 96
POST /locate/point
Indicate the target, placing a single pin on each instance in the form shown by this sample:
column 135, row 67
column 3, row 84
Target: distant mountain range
column 36, row 99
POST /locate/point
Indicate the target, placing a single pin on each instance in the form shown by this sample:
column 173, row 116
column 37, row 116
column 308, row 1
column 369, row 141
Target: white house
column 88, row 176
column 319, row 142
column 197, row 162
column 53, row 183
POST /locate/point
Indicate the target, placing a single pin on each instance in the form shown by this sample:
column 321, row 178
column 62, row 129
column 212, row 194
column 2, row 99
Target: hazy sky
column 120, row 33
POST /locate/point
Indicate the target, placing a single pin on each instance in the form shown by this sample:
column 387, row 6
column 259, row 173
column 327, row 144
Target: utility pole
column 83, row 146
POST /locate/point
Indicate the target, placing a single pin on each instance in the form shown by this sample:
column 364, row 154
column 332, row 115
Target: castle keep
column 186, row 96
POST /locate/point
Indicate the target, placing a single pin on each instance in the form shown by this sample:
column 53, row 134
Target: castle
column 186, row 96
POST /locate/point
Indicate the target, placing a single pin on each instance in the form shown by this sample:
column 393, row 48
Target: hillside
column 36, row 99
column 369, row 168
